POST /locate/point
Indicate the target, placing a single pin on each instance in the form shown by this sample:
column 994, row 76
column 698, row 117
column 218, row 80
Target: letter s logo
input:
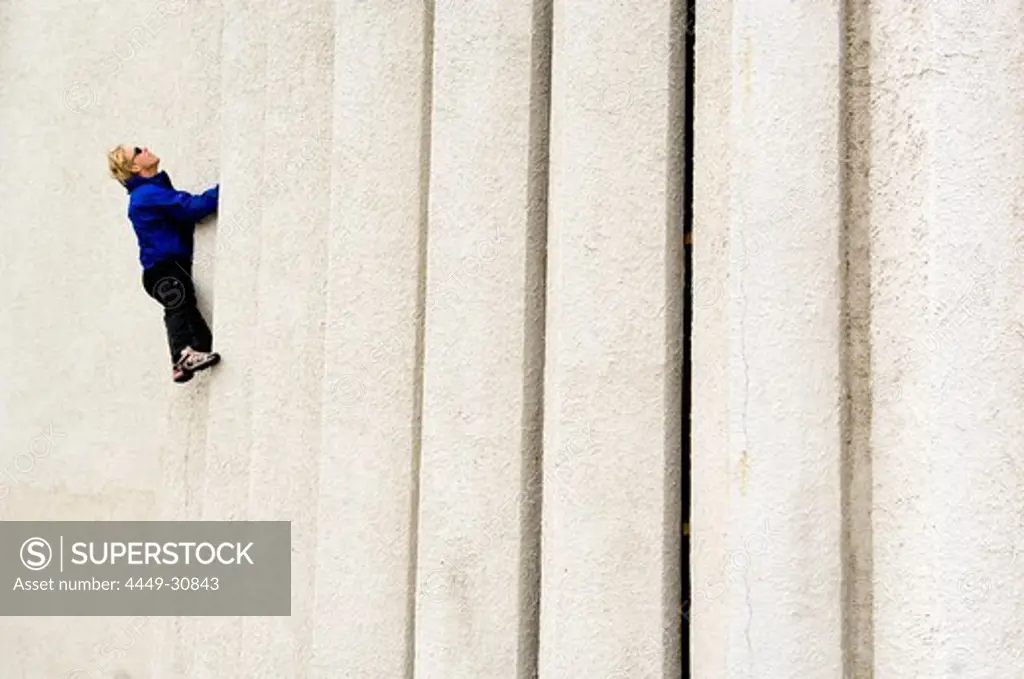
column 36, row 554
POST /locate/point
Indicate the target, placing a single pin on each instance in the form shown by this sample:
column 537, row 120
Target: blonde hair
column 119, row 160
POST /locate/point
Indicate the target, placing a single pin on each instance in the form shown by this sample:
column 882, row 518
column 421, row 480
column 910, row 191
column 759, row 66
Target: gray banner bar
column 150, row 568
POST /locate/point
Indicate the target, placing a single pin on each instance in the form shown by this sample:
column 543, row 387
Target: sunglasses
column 137, row 152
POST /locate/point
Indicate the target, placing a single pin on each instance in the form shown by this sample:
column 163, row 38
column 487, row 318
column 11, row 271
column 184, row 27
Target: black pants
column 170, row 284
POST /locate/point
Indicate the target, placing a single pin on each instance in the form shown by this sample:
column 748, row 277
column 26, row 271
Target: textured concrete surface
column 288, row 349
column 767, row 520
column 611, row 396
column 368, row 481
column 447, row 290
column 711, row 469
column 946, row 272
column 376, row 280
column 478, row 565
column 856, row 349
column 856, row 332
column 90, row 427
column 212, row 647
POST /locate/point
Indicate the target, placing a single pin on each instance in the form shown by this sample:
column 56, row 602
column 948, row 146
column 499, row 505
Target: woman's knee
column 173, row 293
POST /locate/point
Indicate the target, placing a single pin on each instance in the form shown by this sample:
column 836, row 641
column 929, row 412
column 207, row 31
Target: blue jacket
column 164, row 218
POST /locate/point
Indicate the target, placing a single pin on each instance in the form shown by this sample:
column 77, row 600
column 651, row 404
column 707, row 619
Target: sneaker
column 179, row 374
column 192, row 361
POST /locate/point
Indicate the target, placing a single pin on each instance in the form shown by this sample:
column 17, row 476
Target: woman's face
column 143, row 159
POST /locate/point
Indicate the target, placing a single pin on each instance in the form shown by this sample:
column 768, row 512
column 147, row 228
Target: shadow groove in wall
column 427, row 94
column 855, row 345
column 677, row 193
column 534, row 338
column 683, row 63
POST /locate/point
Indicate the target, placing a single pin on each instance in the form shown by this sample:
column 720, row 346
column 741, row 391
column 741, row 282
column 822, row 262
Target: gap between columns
column 426, row 122
column 535, row 305
column 857, row 559
column 679, row 192
column 685, row 52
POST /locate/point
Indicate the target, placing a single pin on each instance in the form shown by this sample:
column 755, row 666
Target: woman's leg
column 172, row 287
column 202, row 337
column 201, row 334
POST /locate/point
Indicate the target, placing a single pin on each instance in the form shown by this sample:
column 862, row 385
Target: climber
column 164, row 220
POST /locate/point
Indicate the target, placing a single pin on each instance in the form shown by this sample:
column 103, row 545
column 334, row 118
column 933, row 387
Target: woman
column 164, row 220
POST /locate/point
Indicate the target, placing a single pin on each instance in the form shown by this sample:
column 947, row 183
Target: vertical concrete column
column 612, row 393
column 947, row 272
column 479, row 500
column 767, row 310
column 216, row 648
column 367, row 480
column 194, row 31
column 287, row 325
column 190, row 154
column 709, row 419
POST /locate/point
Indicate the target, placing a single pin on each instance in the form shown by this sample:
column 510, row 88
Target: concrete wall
column 446, row 281
column 948, row 336
column 856, row 419
column 766, row 354
column 449, row 312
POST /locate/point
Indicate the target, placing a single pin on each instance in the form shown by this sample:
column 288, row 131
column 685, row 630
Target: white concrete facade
column 446, row 277
column 766, row 421
column 449, row 314
column 855, row 420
